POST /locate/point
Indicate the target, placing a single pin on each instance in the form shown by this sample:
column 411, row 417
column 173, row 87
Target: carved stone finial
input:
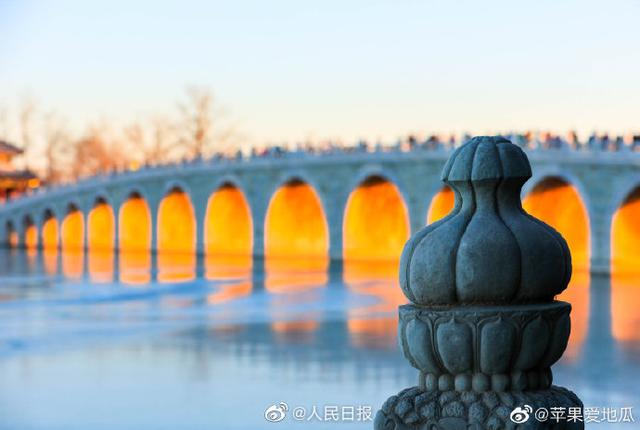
column 488, row 250
column 483, row 328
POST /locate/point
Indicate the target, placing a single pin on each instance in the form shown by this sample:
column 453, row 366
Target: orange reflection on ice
column 371, row 326
column 625, row 298
column 228, row 227
column 577, row 293
column 376, row 224
column 288, row 275
column 227, row 266
column 441, row 205
column 176, row 238
column 625, row 236
column 101, row 234
column 558, row 204
column 298, row 330
column 135, row 241
column 72, row 235
column 230, row 292
column 295, row 224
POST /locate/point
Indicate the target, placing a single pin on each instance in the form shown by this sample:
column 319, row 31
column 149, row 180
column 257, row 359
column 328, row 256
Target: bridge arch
column 296, row 223
column 296, row 235
column 376, row 220
column 625, row 271
column 572, row 220
column 228, row 226
column 72, row 228
column 440, row 204
column 72, row 240
column 176, row 234
column 625, row 232
column 12, row 234
column 30, row 232
column 101, row 226
column 101, row 239
column 134, row 237
column 50, row 234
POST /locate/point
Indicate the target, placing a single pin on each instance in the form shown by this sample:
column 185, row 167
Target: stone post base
column 418, row 409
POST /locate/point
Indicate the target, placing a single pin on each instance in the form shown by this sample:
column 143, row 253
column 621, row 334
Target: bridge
column 360, row 205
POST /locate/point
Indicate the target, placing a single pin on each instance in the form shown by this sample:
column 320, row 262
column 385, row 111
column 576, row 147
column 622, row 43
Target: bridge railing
column 275, row 154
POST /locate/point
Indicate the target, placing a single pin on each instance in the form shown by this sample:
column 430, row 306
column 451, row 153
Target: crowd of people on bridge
column 531, row 141
column 528, row 140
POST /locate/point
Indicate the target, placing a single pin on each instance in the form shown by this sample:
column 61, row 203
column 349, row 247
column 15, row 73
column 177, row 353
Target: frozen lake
column 85, row 346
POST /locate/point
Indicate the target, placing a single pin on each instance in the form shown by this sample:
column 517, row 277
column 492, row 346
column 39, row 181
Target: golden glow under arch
column 625, row 235
column 295, row 225
column 228, row 229
column 176, row 232
column 30, row 234
column 134, row 240
column 50, row 236
column 558, row 203
column 625, row 269
column 72, row 230
column 228, row 234
column 296, row 239
column 101, row 228
column 376, row 222
column 101, row 242
column 12, row 235
column 441, row 204
column 72, row 241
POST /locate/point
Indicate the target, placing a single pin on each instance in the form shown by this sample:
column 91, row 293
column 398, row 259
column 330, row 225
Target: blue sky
column 287, row 70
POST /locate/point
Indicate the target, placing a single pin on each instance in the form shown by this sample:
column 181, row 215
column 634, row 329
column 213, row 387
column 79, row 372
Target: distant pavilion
column 13, row 182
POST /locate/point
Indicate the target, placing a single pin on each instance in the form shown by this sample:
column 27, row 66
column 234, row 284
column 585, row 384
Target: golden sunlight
column 176, row 238
column 625, row 296
column 558, row 204
column 625, row 270
column 441, row 205
column 295, row 225
column 625, row 236
column 101, row 229
column 101, row 238
column 376, row 223
column 31, row 237
column 228, row 227
column 296, row 240
column 135, row 241
column 50, row 233
column 72, row 231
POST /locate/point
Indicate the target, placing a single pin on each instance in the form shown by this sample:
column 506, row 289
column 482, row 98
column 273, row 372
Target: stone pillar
column 601, row 221
column 483, row 328
column 154, row 206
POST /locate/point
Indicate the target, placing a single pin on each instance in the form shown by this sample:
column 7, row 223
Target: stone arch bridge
column 601, row 183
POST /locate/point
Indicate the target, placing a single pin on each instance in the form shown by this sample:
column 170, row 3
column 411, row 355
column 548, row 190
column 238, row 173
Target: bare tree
column 152, row 139
column 56, row 146
column 98, row 152
column 202, row 129
column 26, row 117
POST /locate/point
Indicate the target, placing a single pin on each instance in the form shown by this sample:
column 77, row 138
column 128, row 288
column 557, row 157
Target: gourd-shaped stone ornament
column 488, row 250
